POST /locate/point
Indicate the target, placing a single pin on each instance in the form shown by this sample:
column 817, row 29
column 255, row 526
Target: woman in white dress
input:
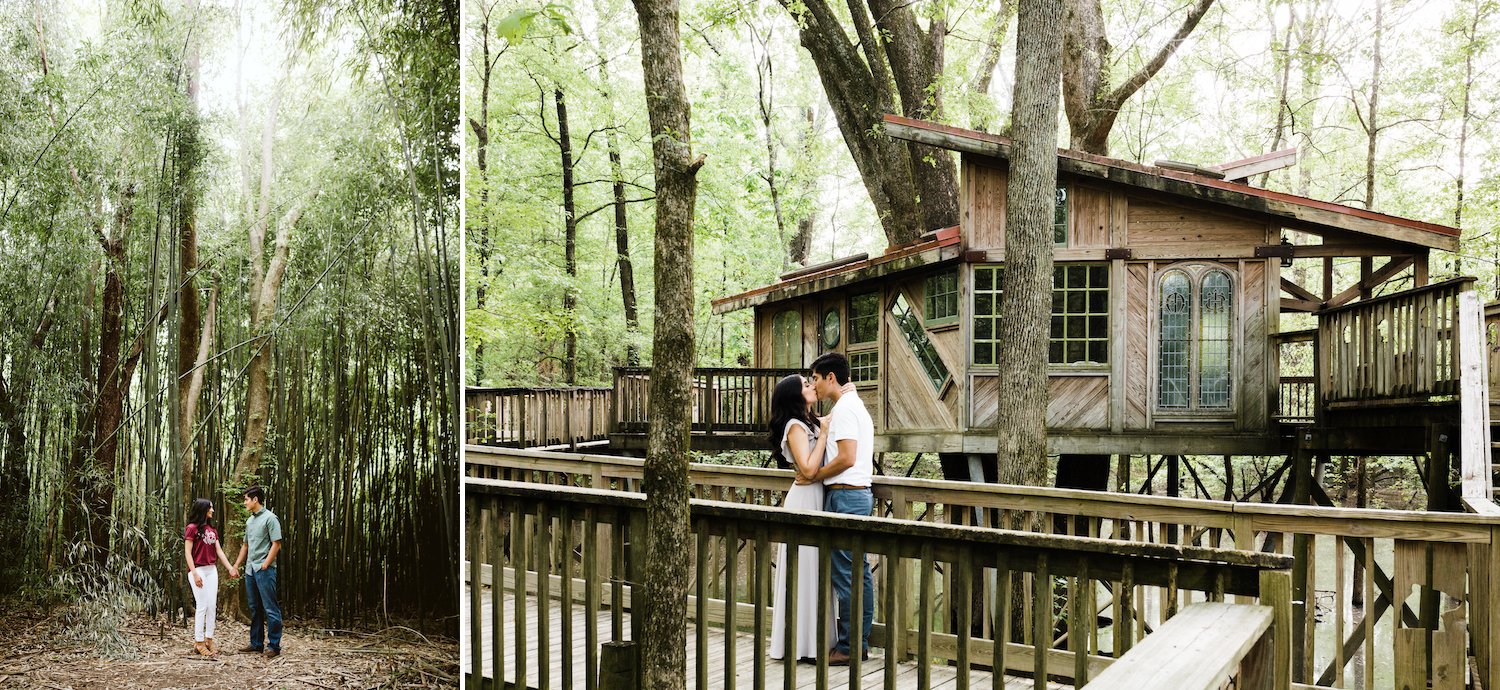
column 796, row 444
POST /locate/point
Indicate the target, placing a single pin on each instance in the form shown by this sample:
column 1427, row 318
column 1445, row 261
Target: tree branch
column 1148, row 70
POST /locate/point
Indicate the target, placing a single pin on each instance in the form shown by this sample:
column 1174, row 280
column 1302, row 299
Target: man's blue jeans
column 265, row 608
column 851, row 502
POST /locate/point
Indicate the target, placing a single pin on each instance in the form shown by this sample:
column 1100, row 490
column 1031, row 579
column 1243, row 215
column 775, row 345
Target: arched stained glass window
column 1176, row 345
column 1214, row 306
column 1195, row 342
column 786, row 340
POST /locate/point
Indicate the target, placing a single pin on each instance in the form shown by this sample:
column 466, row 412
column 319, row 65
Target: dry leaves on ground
column 37, row 652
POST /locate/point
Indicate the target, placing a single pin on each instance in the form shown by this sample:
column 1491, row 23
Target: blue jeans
column 851, row 502
column 265, row 608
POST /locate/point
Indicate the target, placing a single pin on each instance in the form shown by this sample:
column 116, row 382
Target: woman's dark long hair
column 787, row 404
column 198, row 515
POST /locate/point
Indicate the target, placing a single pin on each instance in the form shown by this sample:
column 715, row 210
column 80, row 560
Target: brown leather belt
column 849, row 487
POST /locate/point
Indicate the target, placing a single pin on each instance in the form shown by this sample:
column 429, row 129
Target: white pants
column 207, row 597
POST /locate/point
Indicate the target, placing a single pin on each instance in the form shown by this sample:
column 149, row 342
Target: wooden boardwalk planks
column 872, row 672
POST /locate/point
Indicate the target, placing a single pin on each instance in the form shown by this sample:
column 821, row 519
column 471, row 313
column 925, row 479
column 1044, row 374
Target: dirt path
column 36, row 652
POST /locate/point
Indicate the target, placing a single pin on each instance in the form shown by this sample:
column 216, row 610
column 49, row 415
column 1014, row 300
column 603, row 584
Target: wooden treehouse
column 1169, row 294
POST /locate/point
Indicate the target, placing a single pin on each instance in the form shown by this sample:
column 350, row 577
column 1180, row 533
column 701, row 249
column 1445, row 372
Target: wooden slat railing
column 1448, row 556
column 563, row 536
column 536, row 417
column 1297, row 401
column 724, row 399
column 1402, row 346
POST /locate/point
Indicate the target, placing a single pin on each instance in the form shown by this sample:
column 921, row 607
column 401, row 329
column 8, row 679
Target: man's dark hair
column 832, row 363
column 256, row 493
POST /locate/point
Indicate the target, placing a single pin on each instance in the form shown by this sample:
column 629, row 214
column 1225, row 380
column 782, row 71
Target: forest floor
column 38, row 650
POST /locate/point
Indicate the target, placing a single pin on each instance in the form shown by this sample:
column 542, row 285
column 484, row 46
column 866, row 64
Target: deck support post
column 1439, row 466
column 619, row 666
column 1301, row 480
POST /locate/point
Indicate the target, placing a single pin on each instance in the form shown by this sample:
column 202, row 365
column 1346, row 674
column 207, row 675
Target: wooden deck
column 871, row 672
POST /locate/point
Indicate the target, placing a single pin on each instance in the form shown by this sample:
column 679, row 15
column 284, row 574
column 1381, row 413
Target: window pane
column 1175, row 312
column 1060, row 217
column 916, row 339
column 864, row 312
column 864, row 366
column 1080, row 314
column 1213, row 340
column 941, row 300
column 988, row 281
column 984, row 353
column 786, row 341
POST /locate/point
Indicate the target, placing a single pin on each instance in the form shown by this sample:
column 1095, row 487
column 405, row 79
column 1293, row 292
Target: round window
column 832, row 328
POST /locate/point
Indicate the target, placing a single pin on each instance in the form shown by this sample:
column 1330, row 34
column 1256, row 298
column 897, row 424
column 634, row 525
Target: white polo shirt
column 850, row 420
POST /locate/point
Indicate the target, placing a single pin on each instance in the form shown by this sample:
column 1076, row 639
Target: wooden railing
column 536, row 417
column 583, row 546
column 1297, row 401
column 724, row 399
column 1403, row 346
column 1449, row 557
column 1492, row 346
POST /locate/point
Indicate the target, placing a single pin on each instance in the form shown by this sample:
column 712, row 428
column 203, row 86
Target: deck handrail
column 725, row 399
column 520, row 528
column 1408, row 540
column 1401, row 346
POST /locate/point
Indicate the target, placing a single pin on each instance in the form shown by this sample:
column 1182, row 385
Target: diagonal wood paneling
column 1253, row 393
column 1076, row 402
column 1137, row 342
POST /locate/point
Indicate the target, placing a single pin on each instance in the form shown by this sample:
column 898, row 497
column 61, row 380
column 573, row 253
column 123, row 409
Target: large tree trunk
column 622, row 248
column 858, row 90
column 109, row 409
column 188, row 413
column 1027, row 298
column 188, row 154
column 663, row 631
column 1091, row 103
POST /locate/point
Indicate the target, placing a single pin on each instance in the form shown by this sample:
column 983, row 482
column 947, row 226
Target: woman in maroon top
column 202, row 550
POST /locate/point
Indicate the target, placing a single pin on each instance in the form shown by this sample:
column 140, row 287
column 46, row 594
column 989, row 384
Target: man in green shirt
column 262, row 543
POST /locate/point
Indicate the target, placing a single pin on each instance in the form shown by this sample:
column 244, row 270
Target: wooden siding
column 1075, row 402
column 1090, row 216
column 1154, row 224
column 1253, row 403
column 910, row 400
column 1136, row 345
column 984, row 214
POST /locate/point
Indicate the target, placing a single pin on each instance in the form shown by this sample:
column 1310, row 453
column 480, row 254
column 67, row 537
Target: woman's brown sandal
column 201, row 649
column 209, row 643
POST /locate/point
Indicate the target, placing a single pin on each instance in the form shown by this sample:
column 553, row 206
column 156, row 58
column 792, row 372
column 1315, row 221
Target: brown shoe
column 200, row 648
column 837, row 658
column 250, row 650
column 272, row 653
column 209, row 643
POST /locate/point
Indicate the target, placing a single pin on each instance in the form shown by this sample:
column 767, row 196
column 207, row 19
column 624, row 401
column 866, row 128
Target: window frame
column 1067, row 213
column 851, row 320
column 797, row 342
column 1197, row 272
column 929, row 320
column 975, row 293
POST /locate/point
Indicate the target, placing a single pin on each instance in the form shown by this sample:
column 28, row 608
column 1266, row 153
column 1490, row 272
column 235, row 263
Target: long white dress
column 804, row 497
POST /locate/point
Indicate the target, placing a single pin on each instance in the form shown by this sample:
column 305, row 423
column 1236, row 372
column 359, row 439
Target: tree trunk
column 1372, row 123
column 622, row 249
column 479, row 234
column 1091, row 104
column 859, row 92
column 663, row 631
column 112, row 386
column 570, row 242
column 189, row 410
column 188, row 155
column 1283, row 54
column 1027, row 299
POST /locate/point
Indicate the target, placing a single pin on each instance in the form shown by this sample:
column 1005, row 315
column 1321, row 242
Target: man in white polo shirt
column 848, row 467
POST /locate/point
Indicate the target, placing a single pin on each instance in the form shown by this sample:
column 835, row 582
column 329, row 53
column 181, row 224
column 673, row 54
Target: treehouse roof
column 1289, row 210
column 1347, row 225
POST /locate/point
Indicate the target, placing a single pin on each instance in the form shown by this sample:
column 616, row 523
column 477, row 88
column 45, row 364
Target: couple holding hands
column 203, row 552
column 834, row 460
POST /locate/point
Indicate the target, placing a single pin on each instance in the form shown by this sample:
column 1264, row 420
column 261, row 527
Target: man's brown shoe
column 250, row 650
column 272, row 654
column 837, row 658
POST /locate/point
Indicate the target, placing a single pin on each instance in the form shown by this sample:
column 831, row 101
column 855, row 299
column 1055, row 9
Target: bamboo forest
column 228, row 257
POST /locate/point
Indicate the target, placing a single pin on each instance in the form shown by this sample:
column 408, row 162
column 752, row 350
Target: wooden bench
column 1200, row 648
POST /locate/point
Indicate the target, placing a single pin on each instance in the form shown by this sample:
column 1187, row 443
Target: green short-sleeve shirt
column 260, row 530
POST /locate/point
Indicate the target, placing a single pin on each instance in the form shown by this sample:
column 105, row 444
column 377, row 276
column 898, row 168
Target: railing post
column 1474, row 397
column 1276, row 592
column 614, row 403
